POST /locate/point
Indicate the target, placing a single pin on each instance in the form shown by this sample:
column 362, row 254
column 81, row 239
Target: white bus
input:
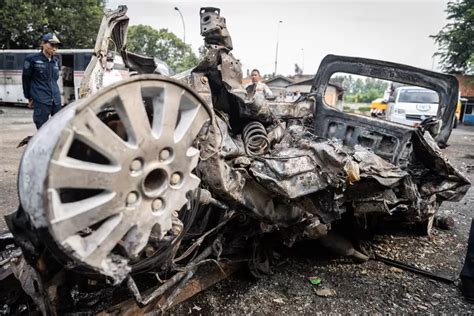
column 73, row 63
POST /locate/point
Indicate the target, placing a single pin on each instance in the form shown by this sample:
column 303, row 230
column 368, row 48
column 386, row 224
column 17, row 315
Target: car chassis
column 133, row 195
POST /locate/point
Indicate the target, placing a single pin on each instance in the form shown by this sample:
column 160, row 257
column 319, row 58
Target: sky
column 389, row 30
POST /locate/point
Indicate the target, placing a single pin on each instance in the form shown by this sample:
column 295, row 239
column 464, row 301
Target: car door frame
column 389, row 140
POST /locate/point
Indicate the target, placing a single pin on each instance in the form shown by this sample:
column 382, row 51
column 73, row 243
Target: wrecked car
column 127, row 194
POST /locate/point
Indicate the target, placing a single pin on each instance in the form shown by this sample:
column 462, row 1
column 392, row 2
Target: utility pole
column 302, row 65
column 276, row 54
column 184, row 26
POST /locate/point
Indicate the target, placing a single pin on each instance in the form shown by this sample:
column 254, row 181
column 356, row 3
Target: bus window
column 67, row 60
column 87, row 59
column 67, row 66
column 20, row 59
column 81, row 60
column 9, row 62
column 67, row 77
column 60, row 59
column 1, row 61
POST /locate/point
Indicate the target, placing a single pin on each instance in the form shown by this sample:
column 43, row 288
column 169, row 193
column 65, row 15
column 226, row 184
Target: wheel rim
column 106, row 188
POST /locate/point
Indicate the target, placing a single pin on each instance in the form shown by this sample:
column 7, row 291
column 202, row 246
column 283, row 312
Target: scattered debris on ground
column 146, row 192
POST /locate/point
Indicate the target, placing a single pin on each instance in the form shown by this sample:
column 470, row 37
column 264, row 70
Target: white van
column 410, row 105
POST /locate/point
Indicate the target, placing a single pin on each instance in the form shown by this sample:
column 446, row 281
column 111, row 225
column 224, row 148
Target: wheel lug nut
column 175, row 178
column 164, row 154
column 157, row 205
column 132, row 198
column 136, row 165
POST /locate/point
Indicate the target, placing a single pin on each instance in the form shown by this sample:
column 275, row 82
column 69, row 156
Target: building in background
column 278, row 85
column 466, row 91
column 289, row 89
column 333, row 95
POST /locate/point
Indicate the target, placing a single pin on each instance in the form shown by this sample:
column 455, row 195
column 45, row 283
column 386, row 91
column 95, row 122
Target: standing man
column 258, row 88
column 40, row 80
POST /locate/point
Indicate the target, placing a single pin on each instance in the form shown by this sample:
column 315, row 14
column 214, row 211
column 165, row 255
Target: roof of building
column 300, row 77
column 279, row 77
column 336, row 85
column 309, row 83
column 302, row 83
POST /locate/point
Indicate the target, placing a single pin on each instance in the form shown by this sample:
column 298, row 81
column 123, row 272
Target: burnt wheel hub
column 98, row 186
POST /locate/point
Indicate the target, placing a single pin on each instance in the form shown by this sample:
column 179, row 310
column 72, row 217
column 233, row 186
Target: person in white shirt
column 258, row 88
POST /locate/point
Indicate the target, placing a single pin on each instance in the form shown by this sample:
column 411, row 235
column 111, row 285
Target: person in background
column 40, row 80
column 258, row 88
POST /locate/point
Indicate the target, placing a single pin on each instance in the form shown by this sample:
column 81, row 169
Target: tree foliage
column 162, row 44
column 456, row 39
column 363, row 90
column 22, row 23
column 470, row 64
column 202, row 50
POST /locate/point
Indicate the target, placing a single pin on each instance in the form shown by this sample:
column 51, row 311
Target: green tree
column 358, row 85
column 162, row 44
column 470, row 65
column 456, row 39
column 21, row 24
column 202, row 50
column 362, row 89
column 75, row 22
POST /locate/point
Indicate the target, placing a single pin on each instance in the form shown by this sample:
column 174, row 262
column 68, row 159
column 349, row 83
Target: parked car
column 378, row 107
column 410, row 105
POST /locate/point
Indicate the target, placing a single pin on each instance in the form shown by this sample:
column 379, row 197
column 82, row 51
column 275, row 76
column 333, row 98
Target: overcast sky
column 390, row 30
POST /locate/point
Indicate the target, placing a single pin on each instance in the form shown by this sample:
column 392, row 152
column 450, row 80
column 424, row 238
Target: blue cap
column 51, row 38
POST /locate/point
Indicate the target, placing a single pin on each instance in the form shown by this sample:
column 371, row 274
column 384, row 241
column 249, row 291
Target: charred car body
column 128, row 192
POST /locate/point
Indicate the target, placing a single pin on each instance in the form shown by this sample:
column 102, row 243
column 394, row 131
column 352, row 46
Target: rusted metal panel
column 157, row 177
column 202, row 280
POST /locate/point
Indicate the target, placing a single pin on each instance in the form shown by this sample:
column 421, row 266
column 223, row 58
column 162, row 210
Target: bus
column 73, row 64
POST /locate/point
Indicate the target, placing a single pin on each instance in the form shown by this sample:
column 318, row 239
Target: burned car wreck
column 129, row 192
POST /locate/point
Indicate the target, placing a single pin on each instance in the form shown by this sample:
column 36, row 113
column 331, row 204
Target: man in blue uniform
column 40, row 80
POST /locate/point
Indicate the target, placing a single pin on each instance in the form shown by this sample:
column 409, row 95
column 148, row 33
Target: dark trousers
column 467, row 273
column 42, row 111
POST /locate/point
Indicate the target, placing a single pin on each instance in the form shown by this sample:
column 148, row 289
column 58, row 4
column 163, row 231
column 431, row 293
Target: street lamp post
column 184, row 26
column 276, row 54
column 302, row 64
